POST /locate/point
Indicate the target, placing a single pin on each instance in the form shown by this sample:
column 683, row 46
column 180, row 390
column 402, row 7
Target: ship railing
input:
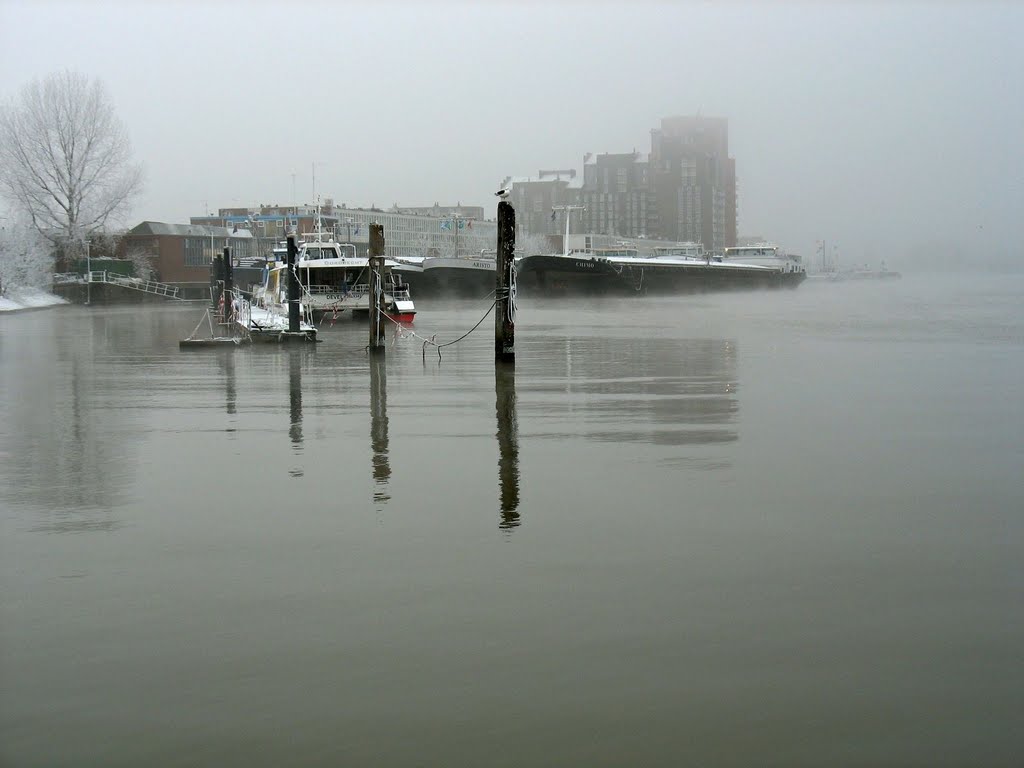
column 135, row 283
column 358, row 288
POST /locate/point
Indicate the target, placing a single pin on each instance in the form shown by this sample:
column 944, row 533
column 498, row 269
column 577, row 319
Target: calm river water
column 770, row 528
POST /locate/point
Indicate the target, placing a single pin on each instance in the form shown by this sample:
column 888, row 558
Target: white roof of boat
column 571, row 183
column 661, row 261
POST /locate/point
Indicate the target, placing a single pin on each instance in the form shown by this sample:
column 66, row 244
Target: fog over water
column 750, row 528
column 742, row 528
column 891, row 130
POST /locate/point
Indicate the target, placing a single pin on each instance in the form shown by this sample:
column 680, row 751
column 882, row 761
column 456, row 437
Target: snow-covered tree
column 26, row 257
column 65, row 157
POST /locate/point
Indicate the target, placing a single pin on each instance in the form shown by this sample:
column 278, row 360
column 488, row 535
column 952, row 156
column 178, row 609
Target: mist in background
column 892, row 131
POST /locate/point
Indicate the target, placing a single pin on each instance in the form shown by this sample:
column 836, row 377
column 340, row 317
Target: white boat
column 332, row 280
column 764, row 254
column 263, row 324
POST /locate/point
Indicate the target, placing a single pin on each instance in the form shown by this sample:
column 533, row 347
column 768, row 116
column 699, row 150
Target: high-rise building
column 534, row 196
column 693, row 181
column 616, row 194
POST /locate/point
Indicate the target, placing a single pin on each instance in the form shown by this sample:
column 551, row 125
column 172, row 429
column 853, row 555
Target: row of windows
column 199, row 251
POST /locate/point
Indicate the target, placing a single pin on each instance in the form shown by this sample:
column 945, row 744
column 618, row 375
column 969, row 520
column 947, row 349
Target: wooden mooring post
column 376, row 297
column 293, row 287
column 504, row 286
column 217, row 287
column 229, row 285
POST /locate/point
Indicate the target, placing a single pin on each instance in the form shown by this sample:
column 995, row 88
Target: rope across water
column 431, row 341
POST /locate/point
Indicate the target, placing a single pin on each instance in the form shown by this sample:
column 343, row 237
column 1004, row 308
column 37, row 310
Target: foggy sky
column 890, row 130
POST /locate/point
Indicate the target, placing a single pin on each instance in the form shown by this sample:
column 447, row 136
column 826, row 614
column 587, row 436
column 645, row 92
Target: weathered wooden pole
column 217, row 285
column 505, row 286
column 376, row 297
column 229, row 284
column 293, row 287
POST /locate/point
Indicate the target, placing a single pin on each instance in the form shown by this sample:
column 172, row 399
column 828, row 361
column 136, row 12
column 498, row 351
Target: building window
column 197, row 251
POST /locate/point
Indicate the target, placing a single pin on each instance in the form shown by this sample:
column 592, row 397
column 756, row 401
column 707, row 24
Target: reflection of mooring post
column 293, row 287
column 504, row 286
column 379, row 426
column 508, row 444
column 295, row 395
column 231, row 392
column 229, row 284
column 376, row 289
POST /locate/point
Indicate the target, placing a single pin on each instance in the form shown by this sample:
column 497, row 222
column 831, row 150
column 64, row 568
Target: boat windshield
column 314, row 252
column 749, row 250
column 692, row 251
column 615, row 253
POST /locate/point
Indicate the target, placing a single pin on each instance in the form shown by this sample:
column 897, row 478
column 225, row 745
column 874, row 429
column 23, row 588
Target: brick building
column 181, row 253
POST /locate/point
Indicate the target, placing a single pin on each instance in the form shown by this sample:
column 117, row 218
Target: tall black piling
column 217, row 286
column 229, row 284
column 293, row 287
column 504, row 286
column 376, row 298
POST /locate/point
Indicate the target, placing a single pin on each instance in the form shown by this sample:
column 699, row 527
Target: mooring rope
column 511, row 311
column 409, row 331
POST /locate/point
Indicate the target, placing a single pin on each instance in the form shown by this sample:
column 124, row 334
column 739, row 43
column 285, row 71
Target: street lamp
column 88, row 262
column 88, row 269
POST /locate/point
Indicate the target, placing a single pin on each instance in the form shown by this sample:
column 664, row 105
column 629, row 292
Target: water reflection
column 670, row 392
column 508, row 444
column 227, row 362
column 57, row 410
column 381, row 465
column 295, row 398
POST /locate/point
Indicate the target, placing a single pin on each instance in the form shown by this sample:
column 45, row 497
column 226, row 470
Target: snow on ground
column 28, row 298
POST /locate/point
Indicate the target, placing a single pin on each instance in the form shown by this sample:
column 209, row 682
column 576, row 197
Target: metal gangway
column 135, row 283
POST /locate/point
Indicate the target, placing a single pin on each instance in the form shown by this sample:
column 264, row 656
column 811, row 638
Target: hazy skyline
column 887, row 129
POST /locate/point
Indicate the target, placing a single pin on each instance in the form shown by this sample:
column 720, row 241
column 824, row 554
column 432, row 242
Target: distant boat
column 682, row 268
column 860, row 273
column 464, row 276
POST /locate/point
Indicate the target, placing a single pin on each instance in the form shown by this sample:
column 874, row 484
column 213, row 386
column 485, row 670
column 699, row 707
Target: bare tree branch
column 65, row 157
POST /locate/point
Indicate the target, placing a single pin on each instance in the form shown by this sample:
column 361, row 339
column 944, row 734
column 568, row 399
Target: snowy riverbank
column 28, row 298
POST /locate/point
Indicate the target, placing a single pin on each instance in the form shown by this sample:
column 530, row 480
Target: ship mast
column 568, row 210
